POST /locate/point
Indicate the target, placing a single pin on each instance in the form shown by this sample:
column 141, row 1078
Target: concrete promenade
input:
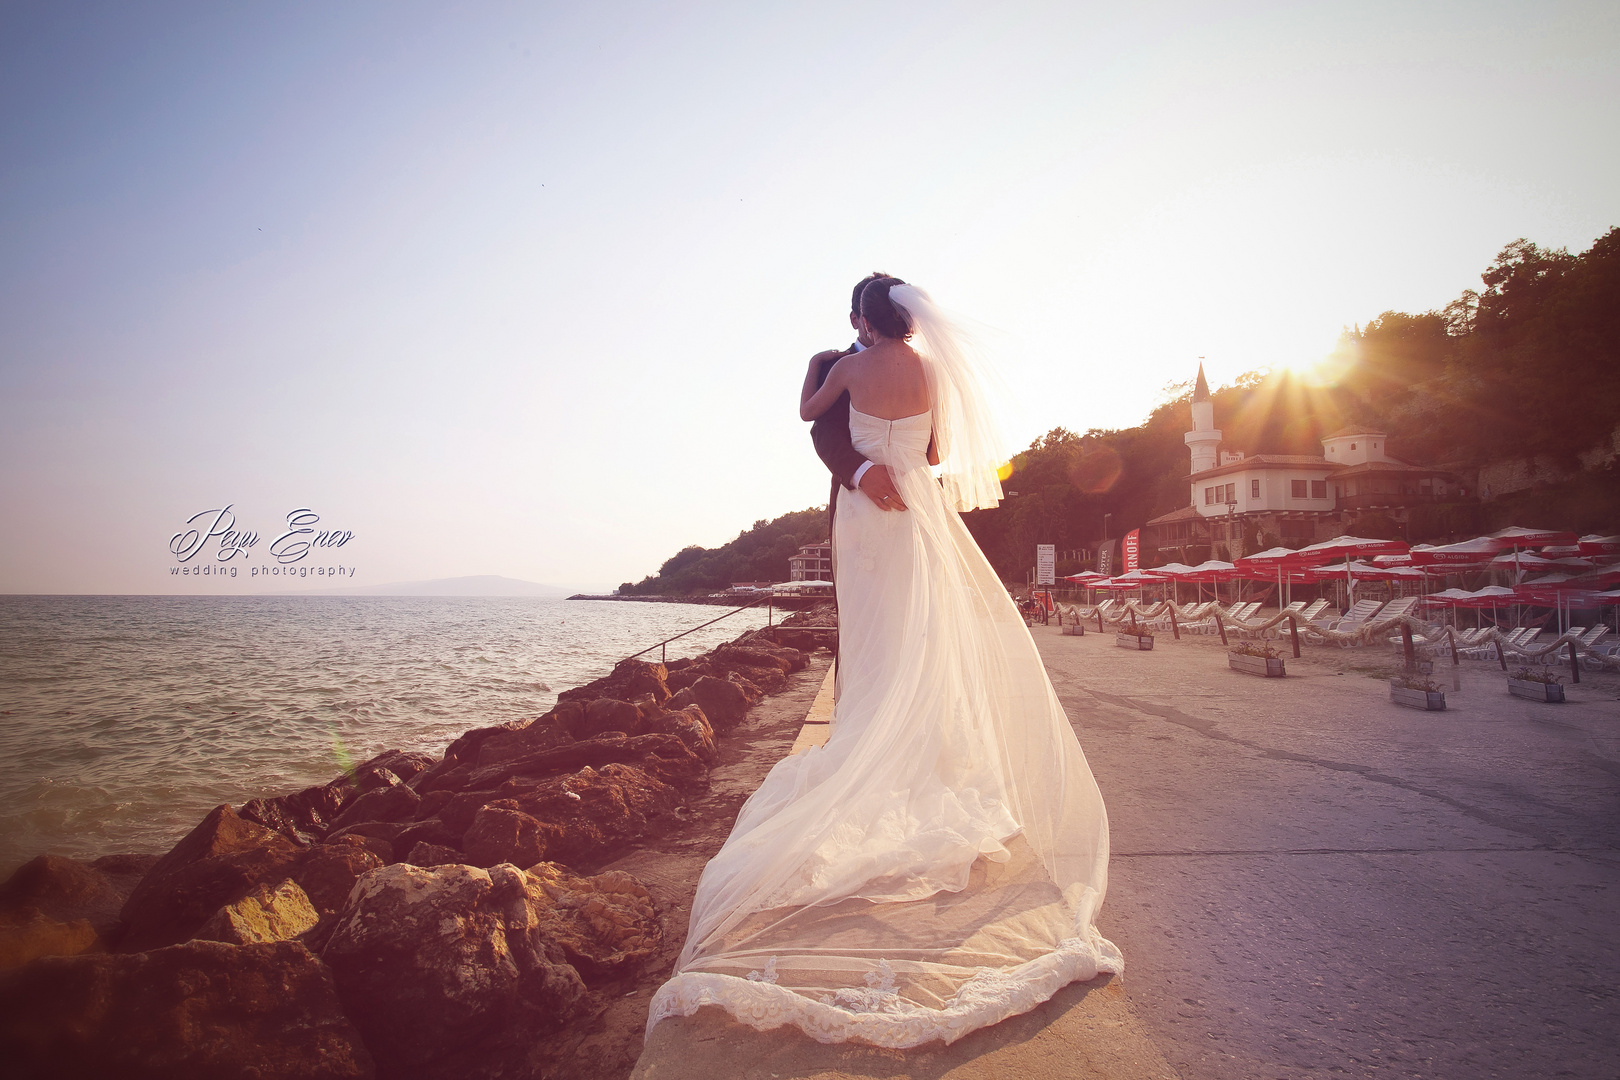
column 1309, row 881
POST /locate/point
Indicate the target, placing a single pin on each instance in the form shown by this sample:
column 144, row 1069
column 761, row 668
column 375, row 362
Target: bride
column 937, row 866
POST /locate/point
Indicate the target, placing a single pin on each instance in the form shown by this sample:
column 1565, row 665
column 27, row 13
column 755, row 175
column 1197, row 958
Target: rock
column 751, row 691
column 385, row 832
column 692, row 728
column 604, row 923
column 306, row 815
column 265, row 914
column 329, row 872
column 665, row 755
column 544, row 734
column 458, row 814
column 804, row 641
column 393, row 803
column 374, row 778
column 597, row 810
column 425, row 854
column 770, row 680
column 403, row 764
column 760, row 655
column 723, row 702
column 695, row 670
column 68, row 891
column 203, row 1010
column 378, row 846
column 459, row 755
column 501, row 833
column 26, row 936
column 432, row 831
column 432, row 803
column 606, row 714
column 629, row 679
column 217, row 863
column 447, row 972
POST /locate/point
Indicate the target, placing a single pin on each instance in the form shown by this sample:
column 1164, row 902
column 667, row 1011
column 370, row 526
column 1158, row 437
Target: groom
column 830, row 433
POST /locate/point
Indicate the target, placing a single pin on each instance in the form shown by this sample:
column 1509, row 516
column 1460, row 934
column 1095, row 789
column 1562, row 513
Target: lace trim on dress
column 876, row 1013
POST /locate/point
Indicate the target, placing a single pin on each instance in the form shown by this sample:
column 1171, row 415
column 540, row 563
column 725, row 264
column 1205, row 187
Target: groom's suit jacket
column 830, row 434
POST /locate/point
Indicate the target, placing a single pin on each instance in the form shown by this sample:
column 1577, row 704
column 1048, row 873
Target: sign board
column 1105, row 558
column 1045, row 564
column 1132, row 545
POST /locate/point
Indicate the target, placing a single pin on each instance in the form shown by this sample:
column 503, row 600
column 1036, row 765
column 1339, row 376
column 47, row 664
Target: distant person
column 938, row 865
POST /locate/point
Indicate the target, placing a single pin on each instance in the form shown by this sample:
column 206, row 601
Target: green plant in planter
column 1526, row 675
column 1412, row 682
column 1250, row 648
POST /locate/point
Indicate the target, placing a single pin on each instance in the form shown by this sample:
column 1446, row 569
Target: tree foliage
column 759, row 553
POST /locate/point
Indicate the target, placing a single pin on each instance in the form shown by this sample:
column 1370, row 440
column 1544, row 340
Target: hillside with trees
column 1527, row 367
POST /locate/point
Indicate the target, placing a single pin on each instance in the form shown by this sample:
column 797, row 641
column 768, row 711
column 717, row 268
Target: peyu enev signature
column 291, row 546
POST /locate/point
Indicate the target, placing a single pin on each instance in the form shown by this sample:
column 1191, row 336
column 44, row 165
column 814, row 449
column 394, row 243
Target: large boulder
column 550, row 731
column 692, row 728
column 202, row 1010
column 596, row 811
column 395, row 802
column 217, row 863
column 265, row 914
column 723, row 702
column 56, row 906
column 501, row 833
column 448, row 972
column 605, row 923
column 458, row 758
column 663, row 754
column 29, row 935
column 606, row 715
column 305, row 816
column 328, row 873
column 629, row 679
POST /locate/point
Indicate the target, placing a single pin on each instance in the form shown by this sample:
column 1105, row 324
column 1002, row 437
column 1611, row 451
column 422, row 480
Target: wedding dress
column 938, row 865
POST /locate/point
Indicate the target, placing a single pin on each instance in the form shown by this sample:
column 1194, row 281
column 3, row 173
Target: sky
column 529, row 289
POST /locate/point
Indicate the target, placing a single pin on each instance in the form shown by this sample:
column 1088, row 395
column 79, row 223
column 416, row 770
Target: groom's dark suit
column 830, row 434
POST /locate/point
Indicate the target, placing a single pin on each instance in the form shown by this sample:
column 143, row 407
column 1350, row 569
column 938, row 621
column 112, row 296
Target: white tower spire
column 1203, row 439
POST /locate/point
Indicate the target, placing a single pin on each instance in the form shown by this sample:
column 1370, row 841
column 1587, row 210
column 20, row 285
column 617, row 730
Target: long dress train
column 937, row 866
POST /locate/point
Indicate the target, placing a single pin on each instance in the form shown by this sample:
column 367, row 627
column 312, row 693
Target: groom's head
column 855, row 304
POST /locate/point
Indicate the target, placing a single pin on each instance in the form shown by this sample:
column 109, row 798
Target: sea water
column 125, row 719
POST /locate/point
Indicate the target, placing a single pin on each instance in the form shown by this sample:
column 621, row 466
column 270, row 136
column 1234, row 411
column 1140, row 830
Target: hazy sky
column 529, row 289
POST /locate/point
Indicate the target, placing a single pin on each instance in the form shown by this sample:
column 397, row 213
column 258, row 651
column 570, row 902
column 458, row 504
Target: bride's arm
column 813, row 401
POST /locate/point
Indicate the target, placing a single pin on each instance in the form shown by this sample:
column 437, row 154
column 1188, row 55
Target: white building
column 1292, row 497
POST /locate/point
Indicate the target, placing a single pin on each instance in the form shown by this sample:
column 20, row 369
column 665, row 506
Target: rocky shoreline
column 417, row 917
column 783, row 603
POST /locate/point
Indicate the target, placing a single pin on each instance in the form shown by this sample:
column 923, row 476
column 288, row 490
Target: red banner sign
column 1132, row 545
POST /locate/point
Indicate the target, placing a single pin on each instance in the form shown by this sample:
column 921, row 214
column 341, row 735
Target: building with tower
column 1284, row 498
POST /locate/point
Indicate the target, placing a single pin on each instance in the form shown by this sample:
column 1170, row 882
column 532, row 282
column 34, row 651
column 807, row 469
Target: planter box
column 1073, row 629
column 1428, row 700
column 1270, row 667
column 1141, row 642
column 1536, row 691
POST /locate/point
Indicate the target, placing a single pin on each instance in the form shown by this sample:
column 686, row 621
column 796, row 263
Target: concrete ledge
column 817, row 727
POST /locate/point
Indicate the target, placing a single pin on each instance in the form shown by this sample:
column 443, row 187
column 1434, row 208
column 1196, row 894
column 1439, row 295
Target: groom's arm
column 835, row 448
column 830, row 432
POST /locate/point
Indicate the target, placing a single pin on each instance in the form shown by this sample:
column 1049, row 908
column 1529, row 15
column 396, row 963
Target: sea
column 125, row 719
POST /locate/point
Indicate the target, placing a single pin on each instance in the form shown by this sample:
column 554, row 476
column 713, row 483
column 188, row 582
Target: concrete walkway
column 1309, row 881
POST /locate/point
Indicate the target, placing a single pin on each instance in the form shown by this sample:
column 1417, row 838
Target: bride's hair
column 881, row 312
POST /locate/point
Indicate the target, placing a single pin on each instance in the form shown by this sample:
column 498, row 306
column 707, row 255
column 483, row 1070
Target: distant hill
column 477, row 585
